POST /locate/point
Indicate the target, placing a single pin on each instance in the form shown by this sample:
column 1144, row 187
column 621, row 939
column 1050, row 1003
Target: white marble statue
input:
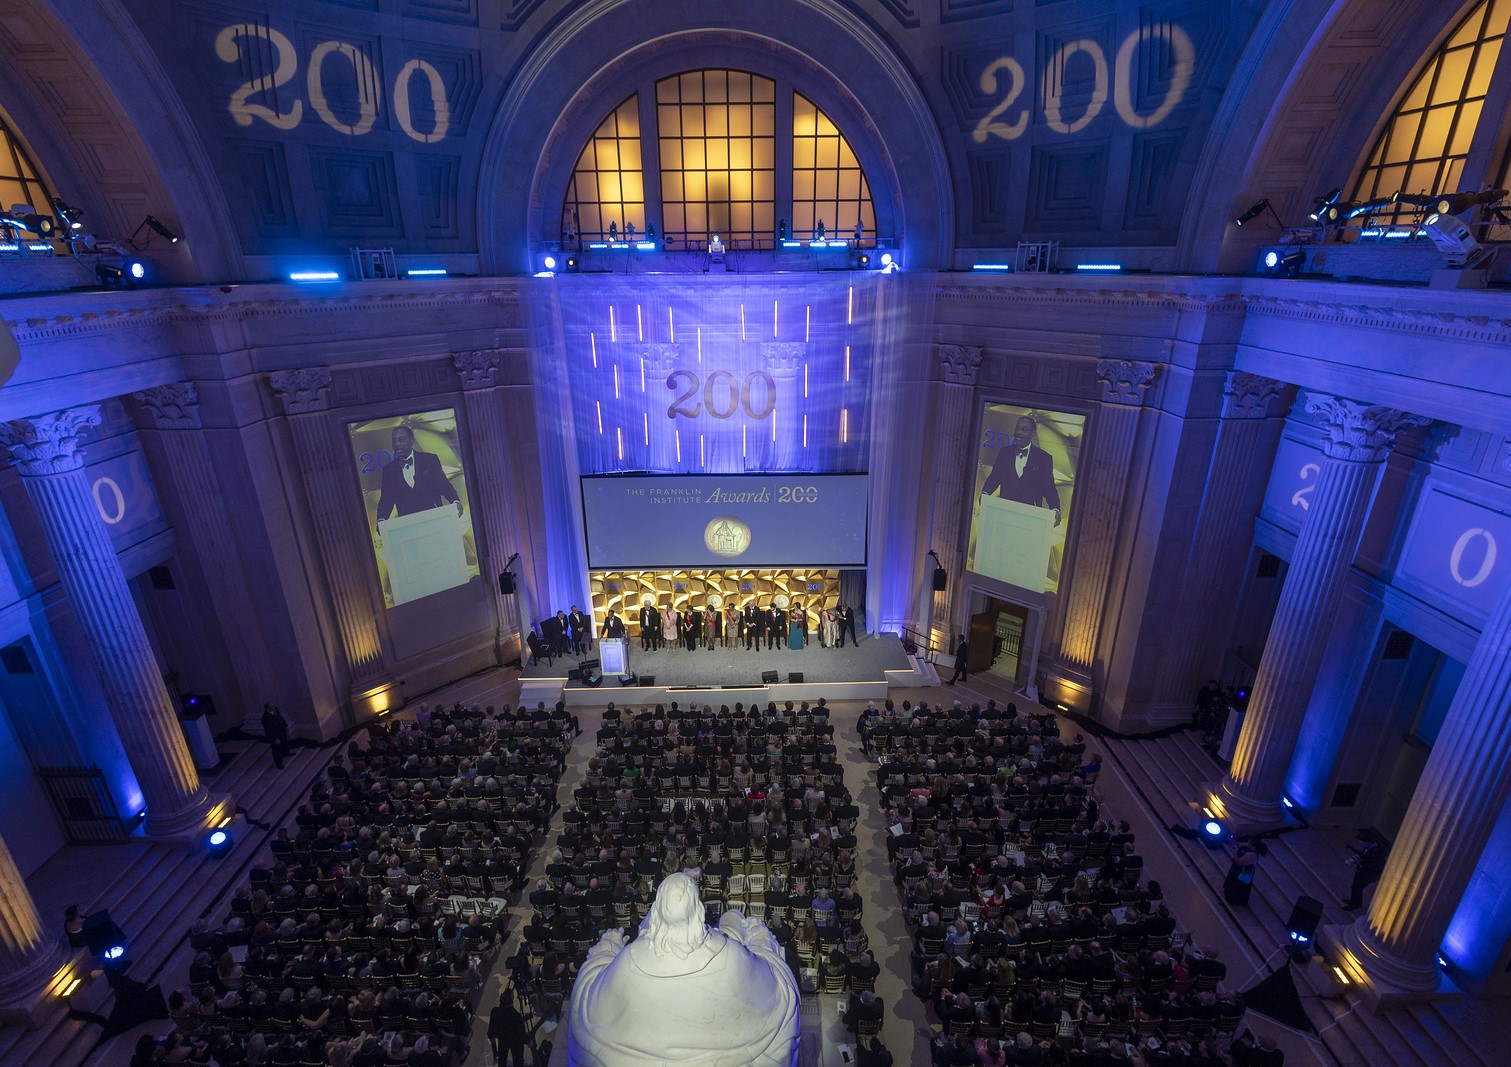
column 684, row 993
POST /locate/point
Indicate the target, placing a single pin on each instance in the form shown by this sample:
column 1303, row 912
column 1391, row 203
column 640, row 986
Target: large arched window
column 737, row 155
column 1424, row 147
column 20, row 181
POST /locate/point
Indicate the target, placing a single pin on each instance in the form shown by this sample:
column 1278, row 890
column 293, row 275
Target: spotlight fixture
column 1452, row 238
column 67, row 213
column 1458, row 203
column 549, row 263
column 571, row 263
column 151, row 223
column 124, row 275
column 1323, row 202
column 863, row 261
column 886, row 259
column 1284, row 263
column 1259, row 208
column 25, row 217
column 219, row 843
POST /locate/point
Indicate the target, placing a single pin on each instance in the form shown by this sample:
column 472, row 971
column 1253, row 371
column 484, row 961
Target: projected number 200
column 723, row 395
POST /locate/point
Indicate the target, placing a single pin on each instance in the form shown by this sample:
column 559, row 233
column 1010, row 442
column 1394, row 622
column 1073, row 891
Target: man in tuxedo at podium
column 413, row 481
column 1023, row 471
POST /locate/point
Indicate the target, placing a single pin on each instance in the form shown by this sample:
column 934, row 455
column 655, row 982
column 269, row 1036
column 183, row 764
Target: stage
column 725, row 675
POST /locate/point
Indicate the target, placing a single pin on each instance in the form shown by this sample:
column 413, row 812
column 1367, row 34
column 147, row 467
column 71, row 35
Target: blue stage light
column 138, row 269
column 549, row 262
column 115, row 952
column 426, row 272
column 314, row 276
column 1001, row 268
column 1104, row 267
column 1212, row 828
column 219, row 842
column 886, row 259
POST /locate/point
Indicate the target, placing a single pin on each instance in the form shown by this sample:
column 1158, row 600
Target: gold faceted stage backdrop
column 626, row 591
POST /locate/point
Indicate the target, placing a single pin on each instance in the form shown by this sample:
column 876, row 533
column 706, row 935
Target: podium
column 1013, row 543
column 613, row 656
column 423, row 552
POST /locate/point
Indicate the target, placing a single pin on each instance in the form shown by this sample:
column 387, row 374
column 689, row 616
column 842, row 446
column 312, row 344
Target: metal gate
column 84, row 805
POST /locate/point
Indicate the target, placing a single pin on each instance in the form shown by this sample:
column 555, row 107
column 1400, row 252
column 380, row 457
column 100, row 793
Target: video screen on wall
column 1025, row 477
column 415, row 491
column 650, row 522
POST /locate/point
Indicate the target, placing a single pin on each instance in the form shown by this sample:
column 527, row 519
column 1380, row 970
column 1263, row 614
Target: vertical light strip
column 671, row 327
column 807, row 323
column 593, row 345
column 847, row 363
column 744, row 441
column 619, row 436
column 613, row 329
column 805, row 380
column 850, row 306
column 616, row 381
column 639, row 324
column 742, row 322
column 805, row 431
column 844, row 425
column 677, row 437
column 773, row 425
column 646, row 415
column 773, row 319
column 642, row 374
column 598, row 406
column 702, row 452
column 700, row 344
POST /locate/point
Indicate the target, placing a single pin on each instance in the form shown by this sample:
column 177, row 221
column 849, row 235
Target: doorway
column 998, row 640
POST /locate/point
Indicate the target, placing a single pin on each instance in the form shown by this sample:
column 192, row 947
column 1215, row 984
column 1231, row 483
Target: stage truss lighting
column 1452, row 238
column 1323, row 202
column 1458, row 203
column 1255, row 210
column 1284, row 263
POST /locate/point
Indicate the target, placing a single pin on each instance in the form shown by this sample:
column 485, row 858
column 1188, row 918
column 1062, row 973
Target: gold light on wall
column 626, row 591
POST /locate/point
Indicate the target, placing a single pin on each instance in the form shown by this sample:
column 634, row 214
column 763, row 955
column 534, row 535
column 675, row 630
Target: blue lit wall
column 720, row 375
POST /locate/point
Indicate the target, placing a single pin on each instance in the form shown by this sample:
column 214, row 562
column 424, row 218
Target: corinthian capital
column 1360, row 433
column 784, row 357
column 173, row 407
column 303, row 390
column 958, row 364
column 49, row 444
column 1124, row 380
column 1248, row 396
column 479, row 368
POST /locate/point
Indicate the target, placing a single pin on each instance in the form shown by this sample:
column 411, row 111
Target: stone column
column 305, row 402
column 1462, row 791
column 1100, row 491
column 174, row 411
column 956, row 369
column 784, row 361
column 1357, row 438
column 489, row 482
column 30, row 956
column 1224, row 532
column 46, row 452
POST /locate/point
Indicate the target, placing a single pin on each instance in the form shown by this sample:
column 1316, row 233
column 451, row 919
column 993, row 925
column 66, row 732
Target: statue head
column 674, row 925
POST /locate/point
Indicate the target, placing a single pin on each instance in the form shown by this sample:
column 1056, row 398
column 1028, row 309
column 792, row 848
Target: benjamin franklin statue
column 684, row 993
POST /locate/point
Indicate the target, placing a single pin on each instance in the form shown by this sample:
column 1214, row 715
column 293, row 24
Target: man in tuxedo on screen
column 413, row 481
column 1023, row 471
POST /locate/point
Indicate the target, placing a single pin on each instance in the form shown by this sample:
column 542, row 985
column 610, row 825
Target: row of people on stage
column 707, row 627
column 755, row 627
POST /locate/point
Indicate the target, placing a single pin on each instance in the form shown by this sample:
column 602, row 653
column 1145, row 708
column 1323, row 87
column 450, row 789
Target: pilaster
column 957, row 369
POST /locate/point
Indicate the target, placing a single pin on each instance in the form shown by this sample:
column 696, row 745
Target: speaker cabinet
column 770, row 677
column 1306, row 916
column 941, row 579
column 794, row 677
column 505, row 583
column 647, row 680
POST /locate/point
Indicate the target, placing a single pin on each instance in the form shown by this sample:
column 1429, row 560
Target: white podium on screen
column 1013, row 542
column 613, row 655
column 423, row 552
